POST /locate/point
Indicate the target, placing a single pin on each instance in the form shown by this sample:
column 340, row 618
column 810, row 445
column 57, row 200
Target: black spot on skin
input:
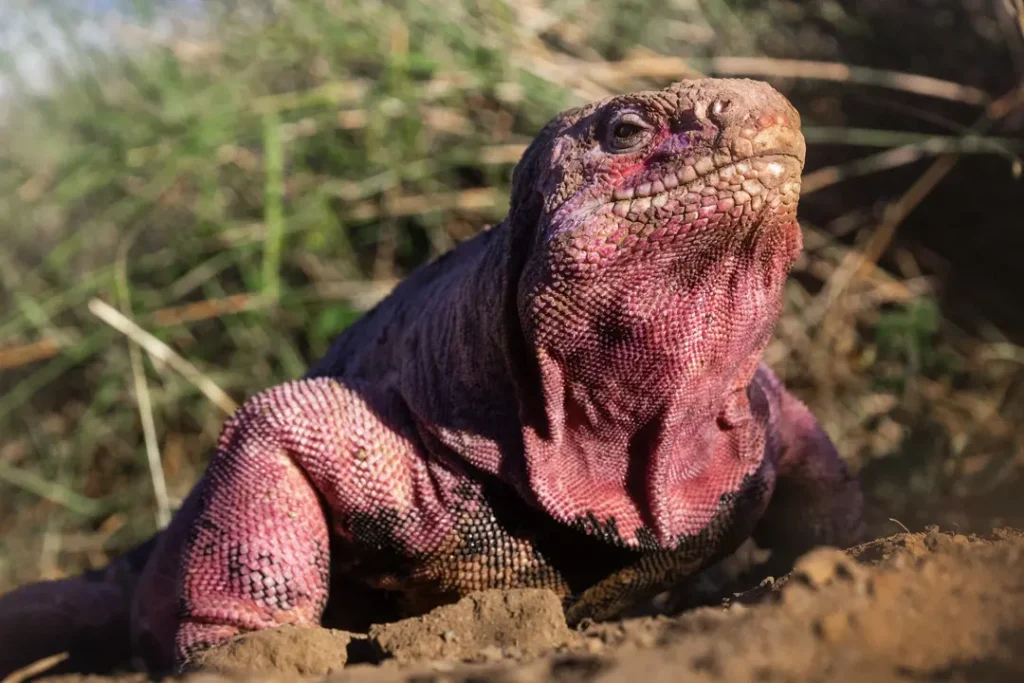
column 213, row 541
column 611, row 332
column 606, row 531
column 473, row 542
column 465, row 491
column 209, row 524
column 235, row 566
column 645, row 537
column 376, row 530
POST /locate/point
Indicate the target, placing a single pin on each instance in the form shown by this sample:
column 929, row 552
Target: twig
column 844, row 73
column 656, row 66
column 901, row 524
column 647, row 66
column 208, row 308
column 968, row 143
column 16, row 356
column 821, row 178
column 31, row 671
column 70, row 356
column 142, row 396
column 160, row 351
column 363, row 294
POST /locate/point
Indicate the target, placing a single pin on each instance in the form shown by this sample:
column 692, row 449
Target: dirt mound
column 910, row 607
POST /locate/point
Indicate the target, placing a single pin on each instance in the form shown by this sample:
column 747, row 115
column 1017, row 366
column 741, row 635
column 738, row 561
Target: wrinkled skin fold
column 573, row 395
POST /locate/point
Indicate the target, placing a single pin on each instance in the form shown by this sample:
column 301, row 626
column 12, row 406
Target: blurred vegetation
column 245, row 185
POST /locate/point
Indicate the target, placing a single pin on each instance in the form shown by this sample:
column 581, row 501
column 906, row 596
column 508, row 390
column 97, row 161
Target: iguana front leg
column 295, row 465
column 816, row 500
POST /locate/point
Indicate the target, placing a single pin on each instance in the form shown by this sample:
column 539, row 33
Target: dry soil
column 935, row 606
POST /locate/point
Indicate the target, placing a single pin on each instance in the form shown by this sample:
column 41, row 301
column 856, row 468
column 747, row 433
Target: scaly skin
column 573, row 399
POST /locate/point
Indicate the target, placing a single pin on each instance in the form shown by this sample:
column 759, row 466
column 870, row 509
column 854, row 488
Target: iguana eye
column 627, row 131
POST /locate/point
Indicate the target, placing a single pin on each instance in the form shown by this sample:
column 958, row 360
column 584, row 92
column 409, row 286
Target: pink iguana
column 573, row 395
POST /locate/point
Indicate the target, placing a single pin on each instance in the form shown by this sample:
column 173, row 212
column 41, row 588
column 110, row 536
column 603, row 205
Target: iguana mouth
column 761, row 164
column 764, row 158
column 704, row 190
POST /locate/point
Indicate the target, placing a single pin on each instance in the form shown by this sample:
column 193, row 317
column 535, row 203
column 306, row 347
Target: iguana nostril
column 687, row 121
column 717, row 110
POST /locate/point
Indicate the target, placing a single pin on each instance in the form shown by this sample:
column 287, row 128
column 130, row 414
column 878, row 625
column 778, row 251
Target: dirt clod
column 490, row 625
column 287, row 650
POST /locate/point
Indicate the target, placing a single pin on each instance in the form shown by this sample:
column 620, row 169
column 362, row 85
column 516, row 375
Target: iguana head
column 658, row 229
column 659, row 175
